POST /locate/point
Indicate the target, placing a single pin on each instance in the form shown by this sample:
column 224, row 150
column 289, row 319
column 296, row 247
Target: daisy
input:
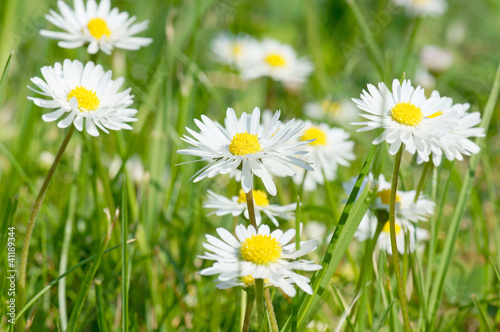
column 243, row 144
column 406, row 208
column 423, row 7
column 279, row 62
column 100, row 26
column 436, row 59
column 329, row 148
column 235, row 50
column 327, row 109
column 238, row 205
column 84, row 93
column 415, row 235
column 406, row 116
column 260, row 254
column 456, row 142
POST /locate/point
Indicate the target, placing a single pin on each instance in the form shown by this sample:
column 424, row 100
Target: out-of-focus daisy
column 242, row 144
column 279, row 62
column 456, row 142
column 436, row 59
column 235, row 50
column 415, row 235
column 100, row 26
column 260, row 254
column 134, row 166
column 84, row 93
column 406, row 208
column 423, row 7
column 327, row 109
column 238, row 205
column 425, row 79
column 406, row 116
column 330, row 147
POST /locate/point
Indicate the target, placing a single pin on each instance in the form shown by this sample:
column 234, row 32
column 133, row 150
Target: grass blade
column 347, row 226
column 124, row 258
column 459, row 211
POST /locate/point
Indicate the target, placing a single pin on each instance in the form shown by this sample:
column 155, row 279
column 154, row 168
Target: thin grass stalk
column 34, row 214
column 459, row 211
column 124, row 258
column 395, row 255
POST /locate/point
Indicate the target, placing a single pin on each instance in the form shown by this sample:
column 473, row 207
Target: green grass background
column 175, row 80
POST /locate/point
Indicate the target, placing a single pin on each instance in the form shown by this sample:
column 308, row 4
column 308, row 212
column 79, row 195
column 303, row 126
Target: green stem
column 423, row 179
column 270, row 310
column 251, row 208
column 248, row 311
column 34, row 213
column 395, row 256
column 259, row 291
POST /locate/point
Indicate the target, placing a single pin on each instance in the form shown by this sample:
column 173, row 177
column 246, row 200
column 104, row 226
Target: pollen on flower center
column 259, row 197
column 435, row 115
column 261, row 249
column 387, row 228
column 98, row 27
column 87, row 99
column 275, row 60
column 248, row 281
column 315, row 133
column 243, row 144
column 385, row 196
column 407, row 114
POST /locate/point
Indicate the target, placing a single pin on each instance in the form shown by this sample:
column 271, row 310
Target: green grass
column 152, row 284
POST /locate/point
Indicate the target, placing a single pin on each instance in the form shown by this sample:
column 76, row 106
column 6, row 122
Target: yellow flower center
column 87, row 99
column 385, row 196
column 330, row 107
column 387, row 228
column 243, row 144
column 275, row 60
column 249, row 281
column 237, row 49
column 435, row 115
column 261, row 249
column 407, row 114
column 259, row 197
column 315, row 133
column 98, row 27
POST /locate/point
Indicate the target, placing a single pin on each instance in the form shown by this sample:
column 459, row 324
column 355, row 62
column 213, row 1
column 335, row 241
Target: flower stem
column 259, row 291
column 34, row 213
column 395, row 256
column 423, row 179
column 270, row 310
column 248, row 311
column 251, row 208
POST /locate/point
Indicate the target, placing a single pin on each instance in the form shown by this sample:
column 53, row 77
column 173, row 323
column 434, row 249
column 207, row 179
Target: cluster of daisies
column 244, row 147
column 267, row 58
column 84, row 94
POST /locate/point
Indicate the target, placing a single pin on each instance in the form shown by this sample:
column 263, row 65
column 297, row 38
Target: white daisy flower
column 84, row 93
column 260, row 254
column 456, row 142
column 237, row 205
column 367, row 229
column 100, row 26
column 279, row 62
column 415, row 235
column 406, row 209
column 327, row 109
column 436, row 59
column 329, row 148
column 406, row 116
column 242, row 144
column 423, row 7
column 235, row 50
